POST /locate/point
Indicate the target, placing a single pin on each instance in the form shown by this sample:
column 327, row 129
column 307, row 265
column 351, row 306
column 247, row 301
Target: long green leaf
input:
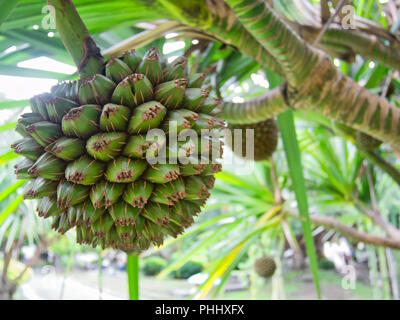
column 13, row 104
column 132, row 269
column 11, row 189
column 292, row 151
column 11, row 207
column 32, row 73
column 8, row 156
column 7, row 6
column 8, row 126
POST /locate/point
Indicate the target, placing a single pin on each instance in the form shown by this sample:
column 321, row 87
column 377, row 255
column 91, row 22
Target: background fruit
column 265, row 139
column 86, row 144
column 367, row 142
column 265, row 266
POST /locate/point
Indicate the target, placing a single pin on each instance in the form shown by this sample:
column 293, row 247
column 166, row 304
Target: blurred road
column 47, row 284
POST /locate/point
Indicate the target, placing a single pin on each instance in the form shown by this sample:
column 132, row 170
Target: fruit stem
column 132, row 268
column 76, row 38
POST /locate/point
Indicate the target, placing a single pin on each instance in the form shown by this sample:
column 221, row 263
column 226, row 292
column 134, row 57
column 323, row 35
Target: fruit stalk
column 76, row 38
column 132, row 268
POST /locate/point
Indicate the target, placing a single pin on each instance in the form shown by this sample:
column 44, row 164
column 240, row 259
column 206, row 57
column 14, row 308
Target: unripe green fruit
column 87, row 151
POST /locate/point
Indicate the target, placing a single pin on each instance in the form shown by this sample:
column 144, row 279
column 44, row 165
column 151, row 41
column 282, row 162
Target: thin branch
column 349, row 232
column 42, row 245
column 143, row 38
column 372, row 193
column 393, row 274
column 328, row 23
column 384, row 165
column 296, row 58
column 277, row 190
column 7, row 260
column 389, row 229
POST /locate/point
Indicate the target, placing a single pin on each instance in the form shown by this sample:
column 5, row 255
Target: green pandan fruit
column 85, row 149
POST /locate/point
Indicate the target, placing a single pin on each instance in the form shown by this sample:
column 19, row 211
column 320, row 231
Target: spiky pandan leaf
column 92, row 160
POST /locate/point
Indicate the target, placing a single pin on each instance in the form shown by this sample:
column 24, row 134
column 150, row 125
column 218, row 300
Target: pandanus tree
column 83, row 140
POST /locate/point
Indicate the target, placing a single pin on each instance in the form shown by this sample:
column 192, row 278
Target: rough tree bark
column 314, row 83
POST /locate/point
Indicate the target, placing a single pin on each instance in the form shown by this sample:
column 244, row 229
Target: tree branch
column 328, row 23
column 296, row 58
column 389, row 229
column 363, row 40
column 42, row 245
column 6, row 262
column 351, row 233
column 255, row 110
column 216, row 18
column 368, row 46
column 385, row 166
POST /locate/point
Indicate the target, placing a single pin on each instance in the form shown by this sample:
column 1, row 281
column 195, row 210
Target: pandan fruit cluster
column 367, row 142
column 265, row 266
column 86, row 152
column 265, row 139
